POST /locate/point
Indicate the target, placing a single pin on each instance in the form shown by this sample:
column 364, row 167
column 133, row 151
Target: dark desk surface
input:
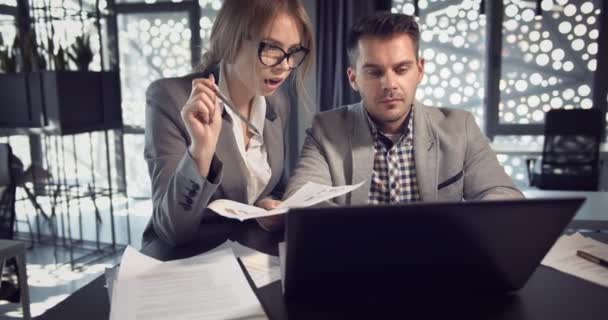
column 548, row 294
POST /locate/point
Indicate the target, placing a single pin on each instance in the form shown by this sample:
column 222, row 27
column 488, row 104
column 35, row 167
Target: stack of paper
column 310, row 194
column 282, row 259
column 262, row 268
column 563, row 258
column 209, row 286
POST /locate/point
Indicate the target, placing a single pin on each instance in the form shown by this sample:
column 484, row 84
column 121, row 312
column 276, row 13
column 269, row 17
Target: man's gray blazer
column 453, row 158
column 179, row 194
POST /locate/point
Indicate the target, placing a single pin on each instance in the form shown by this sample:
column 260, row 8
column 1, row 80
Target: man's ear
column 420, row 69
column 352, row 76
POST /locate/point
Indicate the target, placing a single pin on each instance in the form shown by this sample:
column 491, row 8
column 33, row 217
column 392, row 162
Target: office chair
column 7, row 193
column 11, row 250
column 7, row 213
column 570, row 157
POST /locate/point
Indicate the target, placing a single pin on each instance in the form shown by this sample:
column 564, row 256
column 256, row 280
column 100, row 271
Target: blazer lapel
column 362, row 155
column 235, row 169
column 426, row 150
column 273, row 140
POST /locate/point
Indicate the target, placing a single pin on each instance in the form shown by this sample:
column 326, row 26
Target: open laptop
column 476, row 247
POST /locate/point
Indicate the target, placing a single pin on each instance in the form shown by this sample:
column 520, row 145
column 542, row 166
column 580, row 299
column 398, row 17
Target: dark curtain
column 334, row 18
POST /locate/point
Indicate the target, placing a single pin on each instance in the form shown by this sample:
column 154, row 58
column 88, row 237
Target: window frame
column 191, row 7
column 494, row 21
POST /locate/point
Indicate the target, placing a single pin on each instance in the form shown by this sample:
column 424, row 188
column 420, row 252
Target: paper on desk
column 310, row 194
column 208, row 286
column 563, row 258
column 110, row 276
column 262, row 268
column 136, row 263
column 282, row 257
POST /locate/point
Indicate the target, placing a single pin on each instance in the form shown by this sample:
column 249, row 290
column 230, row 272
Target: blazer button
column 195, row 186
column 185, row 206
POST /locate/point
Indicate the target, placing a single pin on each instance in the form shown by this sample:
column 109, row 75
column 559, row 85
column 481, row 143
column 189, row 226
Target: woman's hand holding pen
column 202, row 116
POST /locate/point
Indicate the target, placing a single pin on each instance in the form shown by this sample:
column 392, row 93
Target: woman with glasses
column 219, row 133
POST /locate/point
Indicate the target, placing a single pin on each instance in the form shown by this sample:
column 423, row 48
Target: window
column 549, row 56
column 7, row 29
column 155, row 41
column 452, row 41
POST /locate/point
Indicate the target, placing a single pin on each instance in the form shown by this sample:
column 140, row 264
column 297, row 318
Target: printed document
column 208, row 286
column 262, row 268
column 310, row 194
column 563, row 258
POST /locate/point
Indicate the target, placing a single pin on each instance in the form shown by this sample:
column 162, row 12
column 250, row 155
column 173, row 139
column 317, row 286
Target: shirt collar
column 258, row 110
column 406, row 133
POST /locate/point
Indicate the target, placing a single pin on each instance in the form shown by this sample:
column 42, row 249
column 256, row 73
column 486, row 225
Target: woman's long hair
column 238, row 20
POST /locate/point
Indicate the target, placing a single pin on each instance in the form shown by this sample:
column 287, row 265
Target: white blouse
column 254, row 155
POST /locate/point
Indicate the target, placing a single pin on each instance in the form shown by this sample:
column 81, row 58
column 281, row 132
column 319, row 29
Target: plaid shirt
column 394, row 172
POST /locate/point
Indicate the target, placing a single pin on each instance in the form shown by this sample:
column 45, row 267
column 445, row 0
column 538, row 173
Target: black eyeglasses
column 271, row 55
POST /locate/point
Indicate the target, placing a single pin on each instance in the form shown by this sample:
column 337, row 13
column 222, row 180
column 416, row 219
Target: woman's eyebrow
column 281, row 44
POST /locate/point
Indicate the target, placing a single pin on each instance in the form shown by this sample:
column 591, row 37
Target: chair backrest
column 7, row 193
column 570, row 158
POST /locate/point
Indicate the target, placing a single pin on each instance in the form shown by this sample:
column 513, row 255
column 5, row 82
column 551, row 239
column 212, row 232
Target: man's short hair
column 381, row 25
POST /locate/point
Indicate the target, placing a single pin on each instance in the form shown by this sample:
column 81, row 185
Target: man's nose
column 389, row 81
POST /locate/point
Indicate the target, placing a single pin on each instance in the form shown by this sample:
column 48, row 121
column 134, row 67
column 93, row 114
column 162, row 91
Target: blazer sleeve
column 179, row 193
column 484, row 177
column 312, row 164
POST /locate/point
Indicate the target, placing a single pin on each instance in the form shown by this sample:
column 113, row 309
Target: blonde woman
column 197, row 149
